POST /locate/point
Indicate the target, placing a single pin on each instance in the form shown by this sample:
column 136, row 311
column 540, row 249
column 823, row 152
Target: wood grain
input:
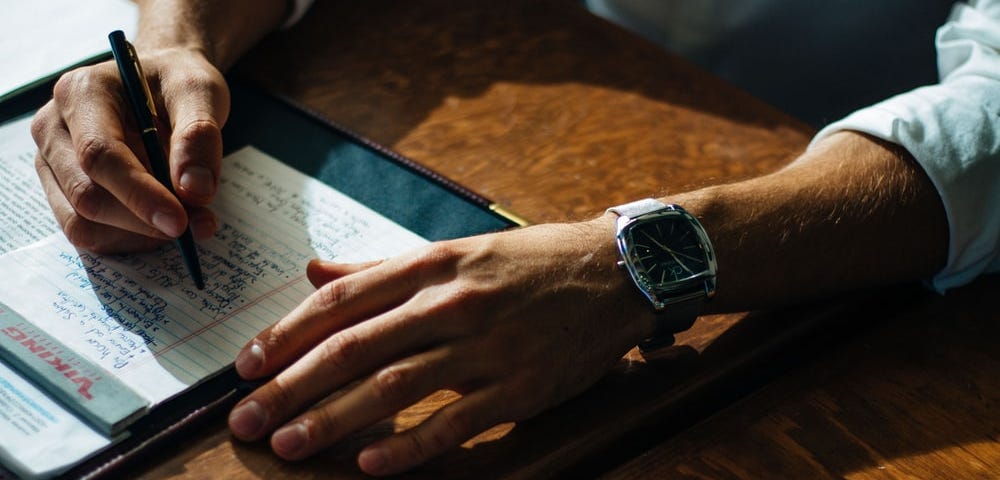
column 915, row 396
column 536, row 104
column 557, row 115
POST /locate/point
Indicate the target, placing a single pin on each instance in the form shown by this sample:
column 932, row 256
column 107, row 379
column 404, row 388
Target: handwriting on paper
column 141, row 318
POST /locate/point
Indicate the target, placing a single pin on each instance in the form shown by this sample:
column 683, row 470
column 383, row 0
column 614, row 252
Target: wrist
column 207, row 27
column 669, row 259
column 636, row 320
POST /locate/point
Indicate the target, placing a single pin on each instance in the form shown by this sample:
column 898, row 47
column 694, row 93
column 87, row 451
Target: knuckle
column 86, row 197
column 416, row 447
column 433, row 255
column 40, row 123
column 333, row 294
column 65, row 85
column 342, row 351
column 463, row 300
column 278, row 337
column 75, row 82
column 457, row 426
column 92, row 150
column 322, row 423
column 199, row 80
column 280, row 392
column 464, row 295
column 392, row 383
column 78, row 231
column 200, row 130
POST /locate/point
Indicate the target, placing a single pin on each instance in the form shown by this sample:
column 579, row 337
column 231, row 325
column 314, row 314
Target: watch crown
column 621, row 263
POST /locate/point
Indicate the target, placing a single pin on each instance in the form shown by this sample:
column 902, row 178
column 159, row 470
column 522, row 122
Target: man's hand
column 515, row 322
column 520, row 321
column 92, row 164
column 90, row 157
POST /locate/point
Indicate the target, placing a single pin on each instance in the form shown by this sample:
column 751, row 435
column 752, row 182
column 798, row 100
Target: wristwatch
column 666, row 252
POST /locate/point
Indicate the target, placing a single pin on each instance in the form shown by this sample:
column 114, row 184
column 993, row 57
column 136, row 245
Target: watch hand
column 671, row 252
column 679, row 262
column 685, row 255
column 658, row 244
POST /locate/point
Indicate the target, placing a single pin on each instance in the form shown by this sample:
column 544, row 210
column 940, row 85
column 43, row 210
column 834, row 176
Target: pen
column 141, row 101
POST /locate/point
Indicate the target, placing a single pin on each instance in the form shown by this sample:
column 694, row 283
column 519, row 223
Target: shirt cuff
column 951, row 131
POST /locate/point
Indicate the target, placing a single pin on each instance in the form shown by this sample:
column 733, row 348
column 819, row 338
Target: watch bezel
column 698, row 285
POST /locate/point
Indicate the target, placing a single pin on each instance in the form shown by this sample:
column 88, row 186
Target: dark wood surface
column 916, row 395
column 556, row 114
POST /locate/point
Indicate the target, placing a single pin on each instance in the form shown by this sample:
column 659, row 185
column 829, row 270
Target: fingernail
column 289, row 439
column 374, row 460
column 167, row 223
column 247, row 420
column 198, row 180
column 250, row 360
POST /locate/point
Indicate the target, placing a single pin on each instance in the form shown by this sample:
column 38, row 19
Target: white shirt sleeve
column 299, row 8
column 953, row 130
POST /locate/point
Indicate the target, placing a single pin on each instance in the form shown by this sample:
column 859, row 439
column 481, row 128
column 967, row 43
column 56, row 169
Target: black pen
column 141, row 101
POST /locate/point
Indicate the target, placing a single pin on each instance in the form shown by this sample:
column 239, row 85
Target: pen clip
column 142, row 79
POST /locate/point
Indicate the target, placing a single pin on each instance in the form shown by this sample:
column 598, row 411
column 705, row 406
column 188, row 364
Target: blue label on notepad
column 79, row 384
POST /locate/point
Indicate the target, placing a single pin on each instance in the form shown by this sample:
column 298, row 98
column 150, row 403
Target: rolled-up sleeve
column 953, row 130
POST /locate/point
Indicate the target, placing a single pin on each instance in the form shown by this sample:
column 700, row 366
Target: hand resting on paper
column 505, row 320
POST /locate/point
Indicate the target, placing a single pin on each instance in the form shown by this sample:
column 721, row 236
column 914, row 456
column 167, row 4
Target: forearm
column 221, row 29
column 851, row 213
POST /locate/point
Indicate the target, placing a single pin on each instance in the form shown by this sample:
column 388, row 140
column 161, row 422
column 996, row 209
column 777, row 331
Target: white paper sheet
column 140, row 316
column 42, row 38
column 25, row 216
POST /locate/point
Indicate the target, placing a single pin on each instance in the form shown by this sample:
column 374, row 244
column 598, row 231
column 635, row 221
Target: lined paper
column 140, row 316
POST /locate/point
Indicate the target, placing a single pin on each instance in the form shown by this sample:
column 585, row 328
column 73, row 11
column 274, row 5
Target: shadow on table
column 400, row 60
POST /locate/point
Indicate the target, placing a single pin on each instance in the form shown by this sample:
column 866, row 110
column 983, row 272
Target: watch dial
column 666, row 249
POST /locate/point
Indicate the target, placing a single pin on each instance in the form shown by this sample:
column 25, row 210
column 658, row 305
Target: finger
column 68, row 185
column 86, row 234
column 321, row 272
column 333, row 307
column 197, row 105
column 346, row 356
column 203, row 222
column 95, row 128
column 388, row 391
column 445, row 429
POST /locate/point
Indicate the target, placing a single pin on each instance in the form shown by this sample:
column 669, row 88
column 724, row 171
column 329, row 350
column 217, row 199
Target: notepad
column 139, row 318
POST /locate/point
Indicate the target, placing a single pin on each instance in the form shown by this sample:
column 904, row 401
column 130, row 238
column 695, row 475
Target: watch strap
column 638, row 207
column 676, row 318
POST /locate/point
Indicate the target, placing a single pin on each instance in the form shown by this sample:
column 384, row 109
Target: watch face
column 665, row 249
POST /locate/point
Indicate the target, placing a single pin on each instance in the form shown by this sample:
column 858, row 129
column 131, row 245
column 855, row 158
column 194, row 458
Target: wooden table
column 556, row 114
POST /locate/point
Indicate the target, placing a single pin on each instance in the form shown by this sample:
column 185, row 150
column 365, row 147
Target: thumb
column 197, row 115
